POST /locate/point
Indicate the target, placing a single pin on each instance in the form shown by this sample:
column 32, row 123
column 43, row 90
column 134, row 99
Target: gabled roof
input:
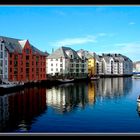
column 13, row 45
column 87, row 53
column 61, row 52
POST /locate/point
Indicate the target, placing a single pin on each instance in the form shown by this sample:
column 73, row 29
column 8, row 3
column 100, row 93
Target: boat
column 138, row 99
column 65, row 80
column 94, row 78
column 7, row 84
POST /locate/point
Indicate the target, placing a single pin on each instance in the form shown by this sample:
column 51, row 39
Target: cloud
column 129, row 49
column 132, row 23
column 74, row 41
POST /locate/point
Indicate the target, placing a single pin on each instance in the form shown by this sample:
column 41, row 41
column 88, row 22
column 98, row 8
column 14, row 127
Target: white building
column 116, row 64
column 66, row 62
column 136, row 66
column 99, row 65
column 3, row 61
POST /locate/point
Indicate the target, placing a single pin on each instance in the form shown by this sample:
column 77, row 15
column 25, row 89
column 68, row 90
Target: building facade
column 113, row 65
column 65, row 62
column 25, row 62
column 3, row 61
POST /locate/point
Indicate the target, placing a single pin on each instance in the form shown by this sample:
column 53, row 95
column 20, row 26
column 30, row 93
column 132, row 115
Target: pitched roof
column 13, row 44
column 61, row 52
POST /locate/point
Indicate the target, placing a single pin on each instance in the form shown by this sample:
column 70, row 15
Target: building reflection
column 113, row 87
column 67, row 97
column 91, row 93
column 17, row 110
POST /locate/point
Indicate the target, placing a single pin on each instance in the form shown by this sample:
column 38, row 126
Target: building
column 91, row 62
column 136, row 66
column 114, row 65
column 65, row 62
column 21, row 61
column 99, row 65
column 3, row 61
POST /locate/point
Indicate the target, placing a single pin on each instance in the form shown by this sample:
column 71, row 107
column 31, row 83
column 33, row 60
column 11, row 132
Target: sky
column 96, row 28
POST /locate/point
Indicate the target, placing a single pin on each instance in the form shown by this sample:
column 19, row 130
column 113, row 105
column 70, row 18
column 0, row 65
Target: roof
column 61, row 52
column 13, row 45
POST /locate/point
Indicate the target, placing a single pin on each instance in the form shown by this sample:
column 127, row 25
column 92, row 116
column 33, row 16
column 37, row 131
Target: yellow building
column 91, row 63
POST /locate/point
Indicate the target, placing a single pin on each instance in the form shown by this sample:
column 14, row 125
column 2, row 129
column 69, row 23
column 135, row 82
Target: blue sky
column 97, row 28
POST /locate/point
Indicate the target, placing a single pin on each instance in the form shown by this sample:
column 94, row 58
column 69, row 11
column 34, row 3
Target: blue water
column 104, row 106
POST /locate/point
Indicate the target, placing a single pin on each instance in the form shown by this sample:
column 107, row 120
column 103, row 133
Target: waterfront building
column 136, row 66
column 99, row 65
column 116, row 65
column 24, row 62
column 65, row 62
column 3, row 61
column 91, row 62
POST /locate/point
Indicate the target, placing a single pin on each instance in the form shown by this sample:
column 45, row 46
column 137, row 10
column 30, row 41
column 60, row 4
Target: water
column 103, row 106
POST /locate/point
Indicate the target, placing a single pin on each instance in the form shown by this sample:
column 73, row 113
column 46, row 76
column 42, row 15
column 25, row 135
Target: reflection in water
column 113, row 87
column 65, row 98
column 18, row 109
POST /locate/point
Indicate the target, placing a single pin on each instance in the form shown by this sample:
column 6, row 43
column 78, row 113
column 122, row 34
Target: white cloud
column 129, row 49
column 132, row 23
column 74, row 41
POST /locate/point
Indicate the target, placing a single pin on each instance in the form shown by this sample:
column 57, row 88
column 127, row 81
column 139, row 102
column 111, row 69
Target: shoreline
column 50, row 83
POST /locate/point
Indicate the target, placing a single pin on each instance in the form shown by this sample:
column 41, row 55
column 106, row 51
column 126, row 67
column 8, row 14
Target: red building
column 25, row 62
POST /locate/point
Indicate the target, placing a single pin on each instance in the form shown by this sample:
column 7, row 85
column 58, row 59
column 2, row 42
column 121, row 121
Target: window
column 61, row 60
column 51, row 64
column 56, row 59
column 56, row 69
column 51, row 59
column 27, row 57
column 21, row 69
column 5, row 54
column 61, row 70
column 51, row 69
column 61, row 65
column 27, row 64
column 16, row 57
column 1, row 63
column 10, row 55
column 10, row 69
column 0, row 71
column 1, row 55
column 27, row 51
column 5, row 62
column 1, row 47
column 70, row 56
